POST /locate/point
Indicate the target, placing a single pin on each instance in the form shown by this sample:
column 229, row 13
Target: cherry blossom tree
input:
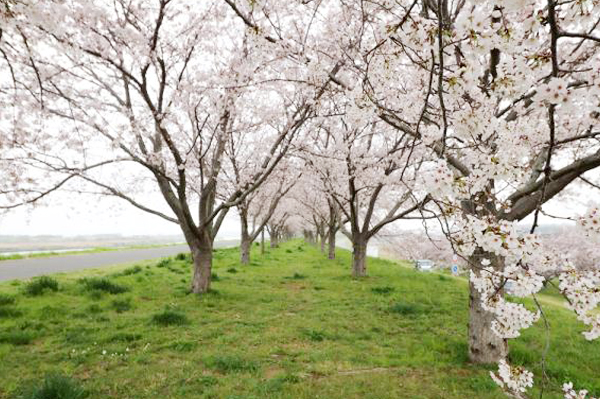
column 277, row 226
column 505, row 96
column 477, row 113
column 257, row 209
column 577, row 246
column 510, row 108
column 367, row 171
column 317, row 209
column 24, row 179
column 414, row 244
column 145, row 83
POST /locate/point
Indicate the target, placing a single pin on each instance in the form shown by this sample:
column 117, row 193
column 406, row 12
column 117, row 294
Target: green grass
column 122, row 305
column 38, row 285
column 7, row 299
column 170, row 318
column 293, row 326
column 102, row 284
column 383, row 290
column 53, row 386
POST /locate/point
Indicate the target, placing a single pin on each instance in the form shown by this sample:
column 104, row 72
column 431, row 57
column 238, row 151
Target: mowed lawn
column 290, row 325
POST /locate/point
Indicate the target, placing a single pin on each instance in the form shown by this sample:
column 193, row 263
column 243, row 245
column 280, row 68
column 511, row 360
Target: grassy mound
column 297, row 326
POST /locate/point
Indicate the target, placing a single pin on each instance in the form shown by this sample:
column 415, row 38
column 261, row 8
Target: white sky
column 86, row 215
column 71, row 215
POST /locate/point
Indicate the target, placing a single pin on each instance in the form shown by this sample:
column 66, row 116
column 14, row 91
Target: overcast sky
column 87, row 215
column 71, row 215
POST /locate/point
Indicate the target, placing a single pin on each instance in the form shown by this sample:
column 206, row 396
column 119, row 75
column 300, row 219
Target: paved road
column 25, row 268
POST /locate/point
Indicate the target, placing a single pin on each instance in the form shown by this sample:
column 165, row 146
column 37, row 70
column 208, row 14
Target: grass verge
column 291, row 325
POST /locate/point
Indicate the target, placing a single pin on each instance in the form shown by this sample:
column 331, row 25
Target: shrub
column 38, row 285
column 132, row 270
column 6, row 299
column 78, row 335
column 9, row 312
column 31, row 325
column 164, row 262
column 17, row 337
column 314, row 335
column 177, row 271
column 230, row 363
column 94, row 309
column 121, row 305
column 102, row 284
column 170, row 318
column 183, row 346
column 125, row 337
column 296, row 276
column 291, row 378
column 54, row 386
column 232, row 270
column 405, row 308
column 96, row 295
column 184, row 256
column 208, row 380
column 383, row 290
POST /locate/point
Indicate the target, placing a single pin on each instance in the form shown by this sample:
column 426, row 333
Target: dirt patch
column 273, row 372
column 295, row 286
column 368, row 371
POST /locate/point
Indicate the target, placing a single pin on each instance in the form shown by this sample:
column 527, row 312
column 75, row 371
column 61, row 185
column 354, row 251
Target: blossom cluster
column 582, row 290
column 510, row 317
column 570, row 393
column 514, row 379
column 590, row 221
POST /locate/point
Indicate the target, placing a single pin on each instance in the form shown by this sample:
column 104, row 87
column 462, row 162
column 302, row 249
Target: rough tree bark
column 332, row 227
column 274, row 240
column 331, row 242
column 245, row 239
column 245, row 246
column 202, row 257
column 484, row 345
column 359, row 257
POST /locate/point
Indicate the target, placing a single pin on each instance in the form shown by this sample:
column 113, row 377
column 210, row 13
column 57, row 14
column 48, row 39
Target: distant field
column 44, row 254
column 291, row 325
column 13, row 244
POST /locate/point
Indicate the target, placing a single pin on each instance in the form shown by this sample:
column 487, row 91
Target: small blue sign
column 454, row 269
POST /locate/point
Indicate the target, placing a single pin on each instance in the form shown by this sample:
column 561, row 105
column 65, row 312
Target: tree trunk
column 484, row 345
column 245, row 241
column 245, row 246
column 202, row 256
column 262, row 241
column 331, row 244
column 274, row 241
column 323, row 242
column 359, row 258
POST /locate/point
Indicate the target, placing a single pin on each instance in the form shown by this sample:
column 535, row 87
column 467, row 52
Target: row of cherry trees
column 331, row 116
